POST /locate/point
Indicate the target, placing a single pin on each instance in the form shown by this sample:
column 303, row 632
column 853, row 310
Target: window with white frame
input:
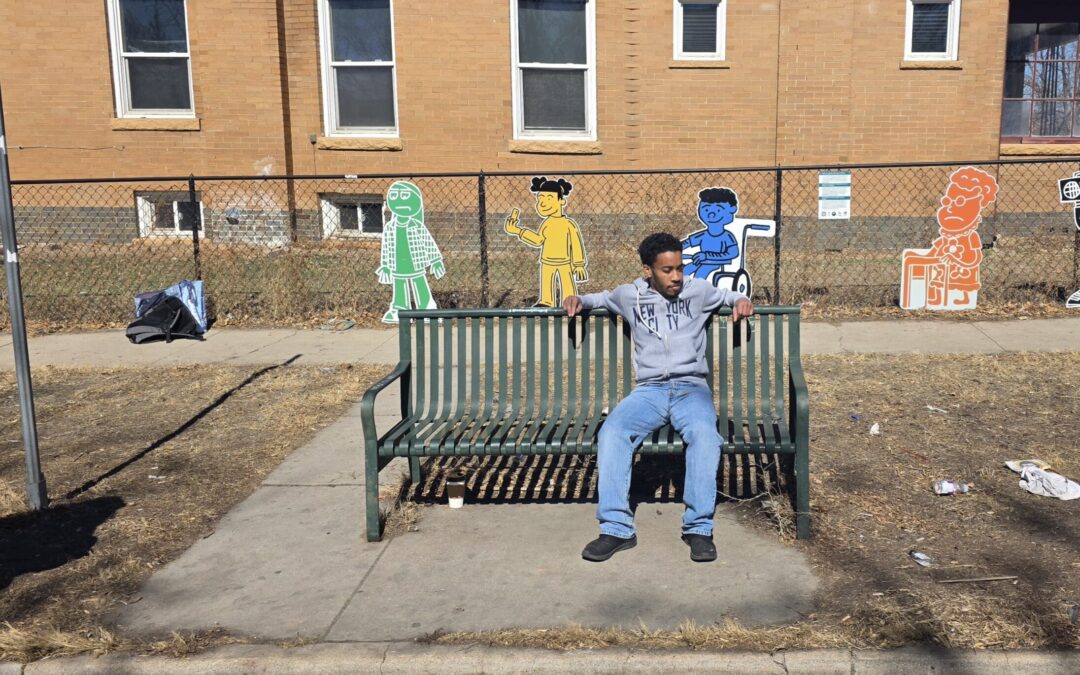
column 345, row 215
column 554, row 61
column 151, row 59
column 169, row 213
column 700, row 29
column 358, row 75
column 932, row 30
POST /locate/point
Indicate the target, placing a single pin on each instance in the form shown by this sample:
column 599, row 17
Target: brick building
column 167, row 87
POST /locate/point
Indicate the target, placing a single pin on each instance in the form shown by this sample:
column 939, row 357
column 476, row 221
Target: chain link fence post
column 195, row 216
column 777, row 216
column 481, row 205
column 1076, row 251
column 36, row 490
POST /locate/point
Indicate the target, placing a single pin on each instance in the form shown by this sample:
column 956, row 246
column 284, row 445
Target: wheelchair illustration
column 731, row 274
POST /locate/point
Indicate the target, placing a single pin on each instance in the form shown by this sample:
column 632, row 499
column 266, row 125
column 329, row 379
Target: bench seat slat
column 482, row 436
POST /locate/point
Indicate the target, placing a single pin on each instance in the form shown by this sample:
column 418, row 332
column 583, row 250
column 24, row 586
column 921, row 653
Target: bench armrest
column 367, row 403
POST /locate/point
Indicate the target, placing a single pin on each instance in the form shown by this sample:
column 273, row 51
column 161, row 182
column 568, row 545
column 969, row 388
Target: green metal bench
column 532, row 381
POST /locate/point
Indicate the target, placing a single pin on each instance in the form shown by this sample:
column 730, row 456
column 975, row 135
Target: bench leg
column 802, row 490
column 416, row 473
column 371, row 494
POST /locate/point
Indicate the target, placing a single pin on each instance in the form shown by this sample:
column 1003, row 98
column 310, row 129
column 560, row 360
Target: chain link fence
column 287, row 249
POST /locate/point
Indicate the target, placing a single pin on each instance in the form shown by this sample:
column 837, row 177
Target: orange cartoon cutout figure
column 946, row 275
column 563, row 264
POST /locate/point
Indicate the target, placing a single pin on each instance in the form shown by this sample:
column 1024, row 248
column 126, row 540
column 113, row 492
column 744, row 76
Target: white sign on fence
column 834, row 195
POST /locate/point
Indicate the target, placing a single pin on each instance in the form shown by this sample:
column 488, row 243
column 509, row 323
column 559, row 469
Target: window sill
column 541, row 147
column 676, row 64
column 931, row 65
column 1040, row 149
column 359, row 143
column 156, row 124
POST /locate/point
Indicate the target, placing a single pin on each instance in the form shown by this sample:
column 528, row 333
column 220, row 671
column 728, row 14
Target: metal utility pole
column 35, row 481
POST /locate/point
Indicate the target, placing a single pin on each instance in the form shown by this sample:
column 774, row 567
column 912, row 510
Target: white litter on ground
column 1048, row 484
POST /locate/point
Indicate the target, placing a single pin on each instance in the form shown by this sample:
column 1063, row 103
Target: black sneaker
column 701, row 547
column 605, row 546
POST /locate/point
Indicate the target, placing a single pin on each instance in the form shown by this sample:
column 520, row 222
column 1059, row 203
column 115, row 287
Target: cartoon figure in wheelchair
column 716, row 253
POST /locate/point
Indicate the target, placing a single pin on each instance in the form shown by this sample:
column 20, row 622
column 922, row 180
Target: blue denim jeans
column 688, row 405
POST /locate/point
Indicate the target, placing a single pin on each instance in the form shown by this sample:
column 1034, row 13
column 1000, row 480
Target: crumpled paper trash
column 1048, row 484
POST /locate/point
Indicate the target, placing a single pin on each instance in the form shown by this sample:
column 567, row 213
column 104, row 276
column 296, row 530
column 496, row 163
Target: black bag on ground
column 167, row 320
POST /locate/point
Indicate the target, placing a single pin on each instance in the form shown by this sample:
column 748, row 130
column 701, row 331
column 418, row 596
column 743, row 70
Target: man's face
column 403, row 199
column 716, row 215
column 666, row 274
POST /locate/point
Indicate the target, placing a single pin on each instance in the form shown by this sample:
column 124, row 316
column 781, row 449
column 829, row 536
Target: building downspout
column 286, row 119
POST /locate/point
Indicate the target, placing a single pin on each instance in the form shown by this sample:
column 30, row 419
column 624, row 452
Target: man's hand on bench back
column 573, row 306
column 742, row 309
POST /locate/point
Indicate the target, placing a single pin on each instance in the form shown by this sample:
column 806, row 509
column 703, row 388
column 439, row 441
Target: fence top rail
column 483, row 313
column 590, row 172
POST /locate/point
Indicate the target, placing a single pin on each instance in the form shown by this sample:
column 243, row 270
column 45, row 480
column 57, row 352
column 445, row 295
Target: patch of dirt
column 872, row 503
column 140, row 464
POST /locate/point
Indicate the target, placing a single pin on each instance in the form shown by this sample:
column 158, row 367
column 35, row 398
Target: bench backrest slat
column 737, row 350
column 764, row 330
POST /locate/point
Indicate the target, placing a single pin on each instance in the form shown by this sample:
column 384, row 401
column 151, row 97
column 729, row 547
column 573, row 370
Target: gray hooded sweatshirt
column 669, row 335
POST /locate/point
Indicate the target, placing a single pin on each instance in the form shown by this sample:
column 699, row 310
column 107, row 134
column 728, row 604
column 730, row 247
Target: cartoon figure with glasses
column 946, row 276
column 408, row 250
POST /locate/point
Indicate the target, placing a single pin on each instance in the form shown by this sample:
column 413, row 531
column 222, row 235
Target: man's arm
column 575, row 304
column 721, row 297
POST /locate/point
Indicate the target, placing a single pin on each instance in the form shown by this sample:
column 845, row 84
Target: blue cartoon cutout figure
column 716, row 253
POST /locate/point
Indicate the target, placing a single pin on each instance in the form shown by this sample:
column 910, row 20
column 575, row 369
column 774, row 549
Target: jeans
column 688, row 405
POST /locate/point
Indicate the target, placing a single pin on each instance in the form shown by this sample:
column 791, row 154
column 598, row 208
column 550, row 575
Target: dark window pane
column 699, row 27
column 361, row 30
column 554, row 99
column 1016, row 118
column 1076, row 121
column 188, row 213
column 159, row 84
column 1021, row 42
column 153, row 25
column 365, row 97
column 1057, row 40
column 1018, row 79
column 929, row 27
column 551, row 31
column 164, row 218
column 350, row 219
column 1052, row 118
column 371, row 218
column 1055, row 79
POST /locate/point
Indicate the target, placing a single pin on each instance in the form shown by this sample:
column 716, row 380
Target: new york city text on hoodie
column 669, row 335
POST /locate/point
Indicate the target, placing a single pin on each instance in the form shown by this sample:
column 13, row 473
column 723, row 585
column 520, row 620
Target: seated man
column 667, row 318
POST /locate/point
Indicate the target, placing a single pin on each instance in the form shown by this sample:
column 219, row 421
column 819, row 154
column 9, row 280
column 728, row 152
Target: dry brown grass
column 140, row 463
column 728, row 635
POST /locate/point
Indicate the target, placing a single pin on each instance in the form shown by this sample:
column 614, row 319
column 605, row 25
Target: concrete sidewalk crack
column 979, row 328
column 261, row 347
column 337, row 617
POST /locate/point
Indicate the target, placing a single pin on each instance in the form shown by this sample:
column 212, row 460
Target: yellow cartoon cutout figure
column 563, row 264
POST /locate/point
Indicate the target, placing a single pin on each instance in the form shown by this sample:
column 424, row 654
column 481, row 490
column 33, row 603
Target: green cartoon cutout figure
column 408, row 251
column 563, row 264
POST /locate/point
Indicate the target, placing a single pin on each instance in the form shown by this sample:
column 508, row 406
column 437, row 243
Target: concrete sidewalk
column 291, row 561
column 243, row 347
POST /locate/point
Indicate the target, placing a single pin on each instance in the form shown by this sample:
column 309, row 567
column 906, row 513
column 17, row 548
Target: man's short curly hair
column 655, row 244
